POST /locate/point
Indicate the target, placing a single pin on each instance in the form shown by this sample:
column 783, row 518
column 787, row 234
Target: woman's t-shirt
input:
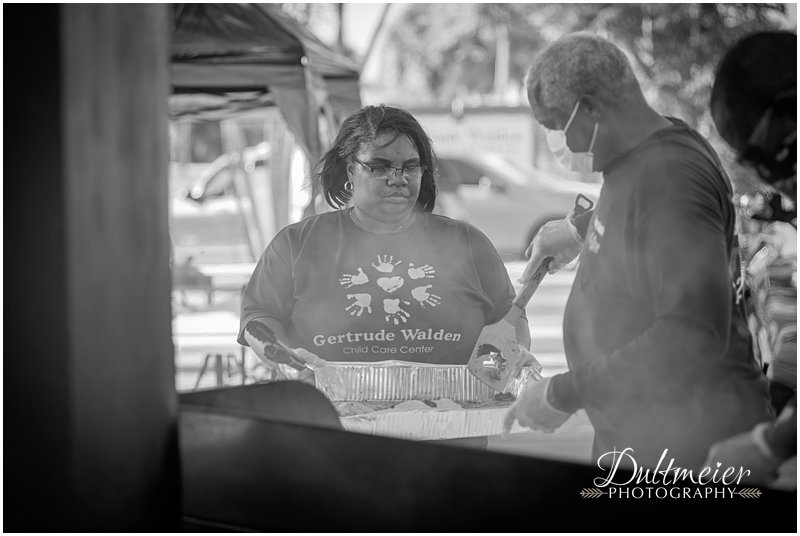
column 346, row 294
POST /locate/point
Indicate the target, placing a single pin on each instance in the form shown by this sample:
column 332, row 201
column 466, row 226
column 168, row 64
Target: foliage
column 436, row 53
column 442, row 51
column 453, row 46
column 673, row 47
column 324, row 19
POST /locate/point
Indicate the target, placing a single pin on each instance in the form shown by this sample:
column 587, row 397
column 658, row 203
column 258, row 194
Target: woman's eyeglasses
column 410, row 173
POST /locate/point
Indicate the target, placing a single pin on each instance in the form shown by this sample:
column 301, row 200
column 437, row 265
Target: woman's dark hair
column 364, row 127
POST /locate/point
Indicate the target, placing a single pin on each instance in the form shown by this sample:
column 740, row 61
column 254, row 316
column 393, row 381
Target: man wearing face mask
column 655, row 337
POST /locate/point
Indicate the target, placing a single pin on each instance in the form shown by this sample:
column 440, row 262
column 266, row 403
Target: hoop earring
column 348, row 186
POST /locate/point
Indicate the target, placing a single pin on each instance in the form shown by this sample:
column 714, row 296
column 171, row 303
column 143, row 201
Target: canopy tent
column 228, row 58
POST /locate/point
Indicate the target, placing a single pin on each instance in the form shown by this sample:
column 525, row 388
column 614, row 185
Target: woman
column 381, row 278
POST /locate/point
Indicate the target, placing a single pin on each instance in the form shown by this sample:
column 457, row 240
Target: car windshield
column 523, row 174
column 505, row 168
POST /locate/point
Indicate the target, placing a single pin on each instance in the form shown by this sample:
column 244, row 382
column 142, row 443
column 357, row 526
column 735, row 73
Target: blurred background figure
column 754, row 106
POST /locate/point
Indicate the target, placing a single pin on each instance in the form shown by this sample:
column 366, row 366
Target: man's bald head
column 576, row 65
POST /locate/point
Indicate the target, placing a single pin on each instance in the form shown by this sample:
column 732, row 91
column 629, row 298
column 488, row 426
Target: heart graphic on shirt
column 390, row 284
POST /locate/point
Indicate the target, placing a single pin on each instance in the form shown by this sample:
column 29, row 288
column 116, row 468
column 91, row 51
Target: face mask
column 557, row 141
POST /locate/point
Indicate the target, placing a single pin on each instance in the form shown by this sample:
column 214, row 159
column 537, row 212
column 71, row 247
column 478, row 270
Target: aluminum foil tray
column 429, row 424
column 399, row 380
column 373, row 398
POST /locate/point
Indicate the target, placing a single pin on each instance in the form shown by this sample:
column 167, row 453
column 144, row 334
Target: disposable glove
column 532, row 409
column 526, row 361
column 307, row 374
column 558, row 239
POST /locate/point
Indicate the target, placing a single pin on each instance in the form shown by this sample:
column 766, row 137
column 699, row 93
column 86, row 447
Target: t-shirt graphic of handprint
column 388, row 276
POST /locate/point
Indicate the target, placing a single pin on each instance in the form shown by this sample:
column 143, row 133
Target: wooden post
column 91, row 410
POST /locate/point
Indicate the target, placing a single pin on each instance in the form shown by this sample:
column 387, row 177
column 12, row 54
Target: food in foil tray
column 348, row 408
column 417, row 420
column 416, row 400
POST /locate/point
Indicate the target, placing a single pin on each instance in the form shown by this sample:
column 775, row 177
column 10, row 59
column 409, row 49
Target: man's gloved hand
column 558, row 239
column 532, row 409
column 527, row 360
column 748, row 450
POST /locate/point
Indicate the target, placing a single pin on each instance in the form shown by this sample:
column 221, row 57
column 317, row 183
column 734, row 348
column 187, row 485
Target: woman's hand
column 265, row 337
column 283, row 371
column 309, row 357
column 312, row 360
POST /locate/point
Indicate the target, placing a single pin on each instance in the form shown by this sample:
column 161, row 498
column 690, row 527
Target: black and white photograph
column 400, row 267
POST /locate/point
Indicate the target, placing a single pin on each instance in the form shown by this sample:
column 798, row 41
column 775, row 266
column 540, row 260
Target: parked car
column 506, row 200
column 210, row 222
column 216, row 179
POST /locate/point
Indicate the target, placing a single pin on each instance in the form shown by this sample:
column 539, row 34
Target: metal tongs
column 275, row 350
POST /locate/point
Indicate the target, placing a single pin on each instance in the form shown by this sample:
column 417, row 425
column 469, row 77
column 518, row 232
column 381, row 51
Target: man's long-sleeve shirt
column 658, row 347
